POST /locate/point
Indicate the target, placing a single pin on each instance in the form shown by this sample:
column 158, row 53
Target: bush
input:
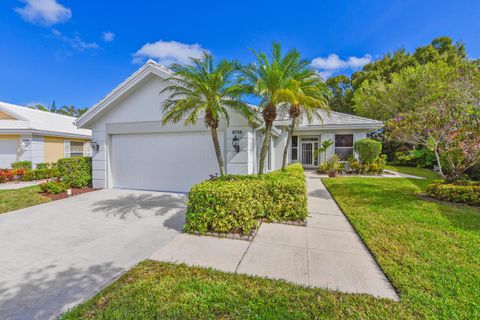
column 368, row 150
column 75, row 172
column 462, row 192
column 235, row 203
column 53, row 187
column 376, row 167
column 423, row 158
column 26, row 165
column 332, row 164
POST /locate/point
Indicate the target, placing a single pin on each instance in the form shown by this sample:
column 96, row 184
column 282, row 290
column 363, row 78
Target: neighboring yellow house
column 39, row 136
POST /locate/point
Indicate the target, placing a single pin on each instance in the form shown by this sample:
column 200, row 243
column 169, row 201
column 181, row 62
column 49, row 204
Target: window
column 294, row 148
column 344, row 146
column 76, row 149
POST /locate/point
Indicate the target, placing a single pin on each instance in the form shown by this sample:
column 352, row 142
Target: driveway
column 55, row 255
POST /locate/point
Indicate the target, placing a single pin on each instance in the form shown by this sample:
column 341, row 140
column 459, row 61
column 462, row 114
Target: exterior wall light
column 236, row 144
column 94, row 146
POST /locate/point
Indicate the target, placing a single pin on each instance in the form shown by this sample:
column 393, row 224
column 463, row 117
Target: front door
column 308, row 147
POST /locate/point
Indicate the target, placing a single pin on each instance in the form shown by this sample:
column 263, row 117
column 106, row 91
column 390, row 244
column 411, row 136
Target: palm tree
column 204, row 87
column 68, row 111
column 268, row 79
column 51, row 108
column 306, row 94
column 81, row 111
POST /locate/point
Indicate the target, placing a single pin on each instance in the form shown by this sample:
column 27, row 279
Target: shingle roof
column 335, row 119
column 40, row 121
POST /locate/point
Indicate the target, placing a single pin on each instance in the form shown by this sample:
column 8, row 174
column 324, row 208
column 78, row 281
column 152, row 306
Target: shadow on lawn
column 46, row 292
column 135, row 204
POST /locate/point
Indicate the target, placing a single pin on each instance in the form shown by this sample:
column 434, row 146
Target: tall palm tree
column 51, row 108
column 204, row 87
column 306, row 94
column 68, row 111
column 267, row 78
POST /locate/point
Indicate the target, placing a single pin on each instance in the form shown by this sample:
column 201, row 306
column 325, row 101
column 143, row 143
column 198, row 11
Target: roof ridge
column 7, row 105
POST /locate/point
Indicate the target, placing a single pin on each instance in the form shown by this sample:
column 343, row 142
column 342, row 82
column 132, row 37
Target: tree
column 341, row 94
column 204, row 87
column 305, row 94
column 51, row 108
column 382, row 100
column 68, row 111
column 268, row 78
column 447, row 121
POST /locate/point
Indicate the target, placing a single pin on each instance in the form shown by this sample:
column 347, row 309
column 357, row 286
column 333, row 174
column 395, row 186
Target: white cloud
column 334, row 63
column 168, row 52
column 44, row 12
column 75, row 42
column 108, row 36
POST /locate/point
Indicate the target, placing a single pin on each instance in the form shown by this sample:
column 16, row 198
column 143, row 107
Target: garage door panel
column 8, row 152
column 164, row 162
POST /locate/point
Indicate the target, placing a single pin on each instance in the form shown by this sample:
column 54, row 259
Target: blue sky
column 77, row 51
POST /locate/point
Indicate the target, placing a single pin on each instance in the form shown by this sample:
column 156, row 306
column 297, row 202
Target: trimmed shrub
column 75, row 172
column 376, row 167
column 27, row 165
column 368, row 150
column 422, row 158
column 53, row 187
column 235, row 203
column 464, row 192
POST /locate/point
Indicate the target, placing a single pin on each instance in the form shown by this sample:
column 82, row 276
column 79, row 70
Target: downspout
column 255, row 164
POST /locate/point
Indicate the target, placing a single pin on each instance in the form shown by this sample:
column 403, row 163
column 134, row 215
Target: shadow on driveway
column 136, row 203
column 46, row 292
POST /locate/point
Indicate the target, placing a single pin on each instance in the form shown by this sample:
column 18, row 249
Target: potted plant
column 332, row 166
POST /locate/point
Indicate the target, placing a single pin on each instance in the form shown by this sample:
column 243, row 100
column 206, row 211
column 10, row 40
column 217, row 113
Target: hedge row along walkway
column 327, row 253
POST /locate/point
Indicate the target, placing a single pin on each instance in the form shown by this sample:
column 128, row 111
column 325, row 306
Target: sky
column 76, row 52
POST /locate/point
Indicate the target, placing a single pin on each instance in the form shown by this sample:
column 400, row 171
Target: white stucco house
column 39, row 136
column 135, row 151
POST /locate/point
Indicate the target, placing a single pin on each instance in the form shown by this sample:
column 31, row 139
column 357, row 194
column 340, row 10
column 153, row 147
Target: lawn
column 21, row 198
column 430, row 251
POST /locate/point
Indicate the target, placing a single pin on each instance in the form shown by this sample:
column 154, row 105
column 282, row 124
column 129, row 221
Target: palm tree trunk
column 265, row 146
column 218, row 151
column 289, row 139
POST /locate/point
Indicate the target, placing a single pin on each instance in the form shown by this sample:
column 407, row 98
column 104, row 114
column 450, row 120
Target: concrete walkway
column 327, row 253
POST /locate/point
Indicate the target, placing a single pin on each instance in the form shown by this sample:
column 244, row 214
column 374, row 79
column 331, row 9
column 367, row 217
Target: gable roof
column 41, row 122
column 151, row 67
column 333, row 120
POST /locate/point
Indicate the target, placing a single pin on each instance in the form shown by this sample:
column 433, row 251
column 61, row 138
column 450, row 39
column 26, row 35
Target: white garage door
column 163, row 162
column 8, row 152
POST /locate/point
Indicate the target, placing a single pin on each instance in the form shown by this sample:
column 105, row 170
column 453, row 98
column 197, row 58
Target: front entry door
column 308, row 151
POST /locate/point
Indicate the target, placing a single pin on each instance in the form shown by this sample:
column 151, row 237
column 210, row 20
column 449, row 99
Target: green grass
column 21, row 198
column 420, row 172
column 430, row 251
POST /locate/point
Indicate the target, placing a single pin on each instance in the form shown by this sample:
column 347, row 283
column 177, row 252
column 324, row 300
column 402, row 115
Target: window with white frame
column 344, row 146
column 76, row 149
column 294, row 148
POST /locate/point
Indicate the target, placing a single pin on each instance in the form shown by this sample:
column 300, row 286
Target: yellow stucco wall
column 5, row 116
column 54, row 148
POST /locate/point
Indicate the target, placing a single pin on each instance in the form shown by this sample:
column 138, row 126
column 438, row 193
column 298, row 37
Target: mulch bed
column 63, row 195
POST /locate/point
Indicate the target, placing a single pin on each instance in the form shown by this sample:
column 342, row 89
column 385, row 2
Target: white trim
column 66, row 148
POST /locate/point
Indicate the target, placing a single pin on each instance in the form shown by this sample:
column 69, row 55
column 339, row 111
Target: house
column 134, row 150
column 39, row 136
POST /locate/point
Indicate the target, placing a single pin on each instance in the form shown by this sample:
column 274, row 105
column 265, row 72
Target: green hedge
column 235, row 203
column 468, row 193
column 368, row 150
column 27, row 165
column 75, row 172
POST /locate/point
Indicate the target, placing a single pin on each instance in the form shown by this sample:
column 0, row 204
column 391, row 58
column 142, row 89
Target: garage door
column 163, row 162
column 8, row 152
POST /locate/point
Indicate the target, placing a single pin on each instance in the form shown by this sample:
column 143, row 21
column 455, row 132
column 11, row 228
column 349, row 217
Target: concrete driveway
column 55, row 255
